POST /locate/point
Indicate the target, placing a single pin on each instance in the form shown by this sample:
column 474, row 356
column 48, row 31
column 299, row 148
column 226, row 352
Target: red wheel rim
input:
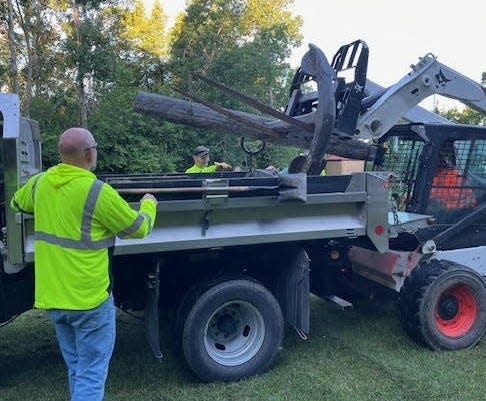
column 456, row 311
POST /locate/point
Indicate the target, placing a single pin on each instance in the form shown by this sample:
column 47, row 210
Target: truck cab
column 20, row 156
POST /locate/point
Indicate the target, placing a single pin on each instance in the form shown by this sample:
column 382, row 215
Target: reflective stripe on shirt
column 88, row 210
column 74, row 243
column 86, row 222
column 34, row 184
column 134, row 227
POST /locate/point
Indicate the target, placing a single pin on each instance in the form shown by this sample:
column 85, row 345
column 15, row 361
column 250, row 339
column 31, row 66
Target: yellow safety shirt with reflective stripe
column 197, row 169
column 76, row 219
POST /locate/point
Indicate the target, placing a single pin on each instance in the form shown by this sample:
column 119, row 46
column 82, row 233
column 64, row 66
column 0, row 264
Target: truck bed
column 340, row 206
column 335, row 207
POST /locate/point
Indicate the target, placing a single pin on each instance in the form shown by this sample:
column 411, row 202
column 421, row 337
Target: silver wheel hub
column 234, row 333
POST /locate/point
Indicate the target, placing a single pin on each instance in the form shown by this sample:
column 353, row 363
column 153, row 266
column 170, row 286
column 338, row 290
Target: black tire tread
column 195, row 292
column 207, row 373
column 413, row 295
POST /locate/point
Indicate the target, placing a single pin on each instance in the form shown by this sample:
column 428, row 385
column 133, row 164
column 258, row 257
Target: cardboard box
column 337, row 165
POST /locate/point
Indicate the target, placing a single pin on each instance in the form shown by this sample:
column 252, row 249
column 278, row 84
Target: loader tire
column 443, row 305
column 232, row 330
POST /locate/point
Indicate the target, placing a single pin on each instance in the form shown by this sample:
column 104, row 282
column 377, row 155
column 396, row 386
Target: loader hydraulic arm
column 428, row 77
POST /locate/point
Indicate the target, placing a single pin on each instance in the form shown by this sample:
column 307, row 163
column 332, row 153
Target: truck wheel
column 233, row 330
column 443, row 305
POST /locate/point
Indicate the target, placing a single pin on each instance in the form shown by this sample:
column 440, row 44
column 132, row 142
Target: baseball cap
column 201, row 150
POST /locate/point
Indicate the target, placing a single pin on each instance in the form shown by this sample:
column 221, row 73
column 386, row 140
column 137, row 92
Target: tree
column 244, row 44
column 145, row 50
column 32, row 40
column 128, row 142
column 80, row 62
column 92, row 38
column 465, row 116
column 146, row 34
column 12, row 46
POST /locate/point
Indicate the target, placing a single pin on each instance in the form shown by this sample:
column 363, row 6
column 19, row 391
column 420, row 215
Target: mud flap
column 152, row 312
column 293, row 288
column 16, row 293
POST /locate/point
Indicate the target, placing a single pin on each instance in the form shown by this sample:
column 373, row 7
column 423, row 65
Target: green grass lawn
column 359, row 354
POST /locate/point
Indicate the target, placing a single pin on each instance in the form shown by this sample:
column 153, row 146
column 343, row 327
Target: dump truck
column 234, row 256
column 228, row 255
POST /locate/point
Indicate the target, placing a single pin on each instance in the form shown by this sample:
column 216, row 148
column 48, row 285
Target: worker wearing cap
column 201, row 161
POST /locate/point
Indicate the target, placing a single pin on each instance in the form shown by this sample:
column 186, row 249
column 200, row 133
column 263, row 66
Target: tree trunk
column 12, row 50
column 80, row 77
column 197, row 115
column 26, row 25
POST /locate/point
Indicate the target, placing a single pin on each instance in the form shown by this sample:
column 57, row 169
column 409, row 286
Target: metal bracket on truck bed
column 215, row 191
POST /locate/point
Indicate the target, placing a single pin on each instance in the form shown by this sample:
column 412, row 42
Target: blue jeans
column 86, row 339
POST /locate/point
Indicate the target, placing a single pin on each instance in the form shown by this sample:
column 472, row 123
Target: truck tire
column 443, row 306
column 232, row 330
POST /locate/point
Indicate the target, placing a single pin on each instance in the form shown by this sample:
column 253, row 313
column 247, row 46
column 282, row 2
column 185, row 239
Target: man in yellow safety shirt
column 76, row 220
column 201, row 161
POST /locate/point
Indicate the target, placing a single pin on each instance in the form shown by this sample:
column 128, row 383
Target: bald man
column 76, row 220
column 77, row 147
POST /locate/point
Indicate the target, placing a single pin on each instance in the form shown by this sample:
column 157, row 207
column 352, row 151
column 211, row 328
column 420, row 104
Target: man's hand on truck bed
column 223, row 166
column 148, row 196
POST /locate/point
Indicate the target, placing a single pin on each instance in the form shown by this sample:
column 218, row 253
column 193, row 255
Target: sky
column 397, row 34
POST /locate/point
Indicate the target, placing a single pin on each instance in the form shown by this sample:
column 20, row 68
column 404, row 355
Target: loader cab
column 439, row 169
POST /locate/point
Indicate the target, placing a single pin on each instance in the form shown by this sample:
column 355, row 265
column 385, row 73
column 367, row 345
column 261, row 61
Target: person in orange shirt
column 449, row 187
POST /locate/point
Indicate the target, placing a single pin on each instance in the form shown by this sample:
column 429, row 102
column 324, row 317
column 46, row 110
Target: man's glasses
column 91, row 147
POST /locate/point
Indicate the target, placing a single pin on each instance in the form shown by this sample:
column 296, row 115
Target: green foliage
column 35, row 49
column 208, row 36
column 465, row 116
column 111, row 49
column 243, row 44
column 90, row 46
column 128, row 142
column 5, row 77
column 146, row 34
column 144, row 47
column 54, row 114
